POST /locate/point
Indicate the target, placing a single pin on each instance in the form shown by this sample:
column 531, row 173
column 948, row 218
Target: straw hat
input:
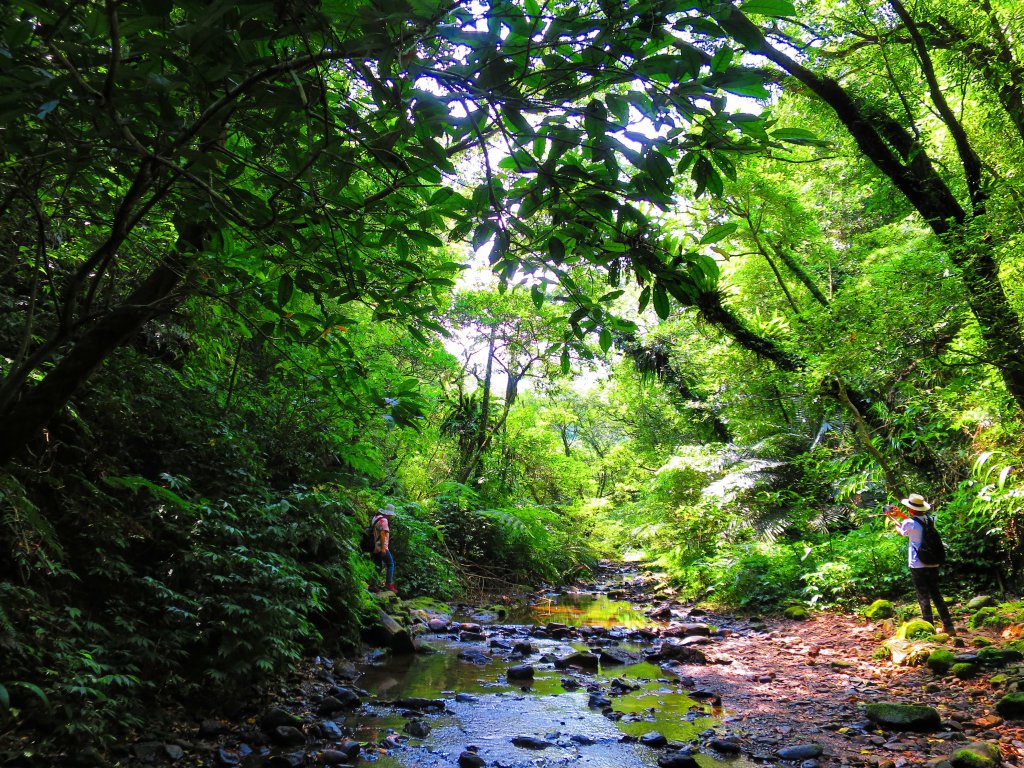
column 916, row 502
column 387, row 511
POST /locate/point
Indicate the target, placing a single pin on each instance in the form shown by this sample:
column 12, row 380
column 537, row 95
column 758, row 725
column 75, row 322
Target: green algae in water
column 584, row 609
column 664, row 709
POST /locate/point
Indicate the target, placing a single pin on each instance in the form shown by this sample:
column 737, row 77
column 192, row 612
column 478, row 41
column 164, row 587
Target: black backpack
column 931, row 550
column 367, row 539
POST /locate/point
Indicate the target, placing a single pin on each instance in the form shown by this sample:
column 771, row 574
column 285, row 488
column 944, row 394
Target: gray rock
column 654, row 739
column 472, row 637
column 438, row 625
column 471, row 760
column 727, row 745
column 523, row 648
column 466, row 698
column 349, row 699
column 417, row 729
column 599, row 701
column 578, row 659
column 800, row 752
column 287, row 736
column 210, row 728
column 330, row 731
column 677, row 760
column 277, row 716
column 330, row 705
column 982, row 601
column 531, row 742
column 904, row 717
column 582, row 740
column 520, row 672
column 226, row 758
column 476, row 657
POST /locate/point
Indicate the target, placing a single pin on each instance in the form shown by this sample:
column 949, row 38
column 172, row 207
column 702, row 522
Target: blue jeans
column 388, row 562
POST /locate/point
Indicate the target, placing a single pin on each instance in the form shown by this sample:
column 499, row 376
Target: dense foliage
column 701, row 282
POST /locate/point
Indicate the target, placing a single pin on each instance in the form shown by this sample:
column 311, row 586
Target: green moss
column 981, row 642
column 428, row 604
column 880, row 609
column 797, row 612
column 915, row 629
column 1011, row 706
column 940, row 661
column 965, row 670
column 987, row 617
column 980, row 754
column 998, row 681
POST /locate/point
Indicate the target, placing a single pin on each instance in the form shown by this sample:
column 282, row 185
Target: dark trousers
column 926, row 584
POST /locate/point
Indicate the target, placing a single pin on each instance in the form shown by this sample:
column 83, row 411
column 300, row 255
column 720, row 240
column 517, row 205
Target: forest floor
column 609, row 675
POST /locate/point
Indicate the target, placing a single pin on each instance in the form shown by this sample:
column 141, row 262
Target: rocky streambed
column 613, row 674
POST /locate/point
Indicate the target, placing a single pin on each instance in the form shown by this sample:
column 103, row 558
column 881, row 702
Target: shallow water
column 544, row 708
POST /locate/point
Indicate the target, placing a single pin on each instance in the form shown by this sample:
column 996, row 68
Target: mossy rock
column 978, row 754
column 998, row 681
column 940, row 661
column 981, row 601
column 965, row 670
column 1011, row 706
column 904, row 717
column 986, row 617
column 430, row 605
column 797, row 612
column 981, row 642
column 915, row 629
column 941, row 637
column 880, row 609
column 997, row 657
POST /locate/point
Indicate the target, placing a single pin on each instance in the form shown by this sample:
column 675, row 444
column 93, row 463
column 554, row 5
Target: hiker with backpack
column 382, row 544
column 925, row 554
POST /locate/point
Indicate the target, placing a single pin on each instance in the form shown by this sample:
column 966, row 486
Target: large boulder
column 915, row 629
column 903, row 717
column 981, row 601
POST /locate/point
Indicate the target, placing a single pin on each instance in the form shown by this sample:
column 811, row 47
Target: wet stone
column 330, row 730
column 472, row 637
column 466, row 698
column 288, row 736
column 531, row 742
column 677, row 760
column 417, row 729
column 599, row 701
column 523, row 648
column 227, row 758
column 471, row 760
column 570, row 685
column 520, row 672
column 277, row 716
column 800, row 752
column 348, row 698
column 582, row 740
column 579, row 659
column 476, row 657
column 290, row 760
column 727, row 745
column 654, row 739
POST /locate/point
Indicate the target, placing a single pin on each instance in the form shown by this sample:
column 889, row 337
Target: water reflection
column 576, row 610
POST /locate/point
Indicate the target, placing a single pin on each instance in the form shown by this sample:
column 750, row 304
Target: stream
column 580, row 693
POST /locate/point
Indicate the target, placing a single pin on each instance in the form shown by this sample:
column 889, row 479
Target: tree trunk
column 896, row 153
column 27, row 417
